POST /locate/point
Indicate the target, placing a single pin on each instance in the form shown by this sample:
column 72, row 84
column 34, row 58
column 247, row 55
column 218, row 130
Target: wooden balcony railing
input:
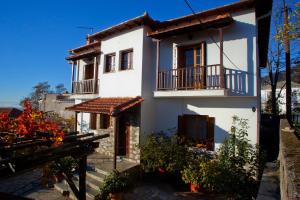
column 85, row 86
column 201, row 77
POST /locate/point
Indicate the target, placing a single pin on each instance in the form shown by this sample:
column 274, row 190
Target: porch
column 120, row 119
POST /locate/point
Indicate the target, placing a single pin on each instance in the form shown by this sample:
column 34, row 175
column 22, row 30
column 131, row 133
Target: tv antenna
column 90, row 28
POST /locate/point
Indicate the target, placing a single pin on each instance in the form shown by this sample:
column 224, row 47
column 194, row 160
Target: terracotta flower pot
column 194, row 188
column 116, row 196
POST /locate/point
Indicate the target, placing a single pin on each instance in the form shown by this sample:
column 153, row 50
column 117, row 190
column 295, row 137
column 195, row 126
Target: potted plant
column 114, row 186
column 190, row 175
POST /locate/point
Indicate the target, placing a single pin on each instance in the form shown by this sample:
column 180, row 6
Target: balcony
column 201, row 81
column 89, row 86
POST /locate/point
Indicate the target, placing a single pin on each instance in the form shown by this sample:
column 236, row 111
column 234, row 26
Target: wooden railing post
column 222, row 74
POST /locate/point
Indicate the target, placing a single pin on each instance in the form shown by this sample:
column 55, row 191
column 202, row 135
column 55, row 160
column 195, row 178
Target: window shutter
column 210, row 133
column 93, row 121
column 180, row 126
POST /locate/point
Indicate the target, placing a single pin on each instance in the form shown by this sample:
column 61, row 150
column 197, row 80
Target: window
column 198, row 129
column 126, row 59
column 93, row 121
column 105, row 121
column 110, row 62
column 89, row 71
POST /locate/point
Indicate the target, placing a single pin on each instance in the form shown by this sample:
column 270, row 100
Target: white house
column 189, row 75
column 281, row 92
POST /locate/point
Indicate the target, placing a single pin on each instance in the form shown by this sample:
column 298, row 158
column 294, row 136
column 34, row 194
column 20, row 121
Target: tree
column 60, row 88
column 39, row 91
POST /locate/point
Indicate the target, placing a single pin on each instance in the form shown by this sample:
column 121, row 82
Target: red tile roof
column 11, row 112
column 110, row 106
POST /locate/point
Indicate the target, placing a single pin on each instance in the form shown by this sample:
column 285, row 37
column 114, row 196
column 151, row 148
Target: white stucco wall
column 161, row 114
column 239, row 45
column 125, row 83
column 222, row 109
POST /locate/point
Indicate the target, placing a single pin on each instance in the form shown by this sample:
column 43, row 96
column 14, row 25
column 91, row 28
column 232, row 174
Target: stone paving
column 28, row 185
column 269, row 186
column 163, row 191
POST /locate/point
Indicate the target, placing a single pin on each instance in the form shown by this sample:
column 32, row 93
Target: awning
column 171, row 28
column 110, row 106
column 87, row 54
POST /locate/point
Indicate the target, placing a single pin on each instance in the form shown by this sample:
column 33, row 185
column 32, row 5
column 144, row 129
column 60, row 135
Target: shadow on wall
column 236, row 81
column 240, row 79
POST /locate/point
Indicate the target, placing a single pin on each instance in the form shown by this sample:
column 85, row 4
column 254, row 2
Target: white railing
column 85, row 86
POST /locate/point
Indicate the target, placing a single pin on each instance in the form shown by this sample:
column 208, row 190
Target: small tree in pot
column 114, row 185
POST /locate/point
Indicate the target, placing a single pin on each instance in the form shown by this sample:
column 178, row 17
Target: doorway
column 191, row 70
column 124, row 136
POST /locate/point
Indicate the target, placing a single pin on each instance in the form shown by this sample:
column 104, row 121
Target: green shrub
column 114, row 183
column 161, row 151
column 234, row 171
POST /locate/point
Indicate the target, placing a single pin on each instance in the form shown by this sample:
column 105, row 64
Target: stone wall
column 289, row 157
column 106, row 145
column 134, row 151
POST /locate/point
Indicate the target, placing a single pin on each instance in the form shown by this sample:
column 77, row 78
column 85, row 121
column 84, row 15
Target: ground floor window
column 105, row 121
column 197, row 129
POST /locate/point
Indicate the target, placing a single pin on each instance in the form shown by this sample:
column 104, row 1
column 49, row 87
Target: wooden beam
column 222, row 75
column 82, row 178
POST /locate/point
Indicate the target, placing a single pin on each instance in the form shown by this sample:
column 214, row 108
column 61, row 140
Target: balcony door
column 89, row 71
column 191, row 67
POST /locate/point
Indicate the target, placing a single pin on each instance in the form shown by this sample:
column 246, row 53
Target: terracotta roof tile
column 111, row 106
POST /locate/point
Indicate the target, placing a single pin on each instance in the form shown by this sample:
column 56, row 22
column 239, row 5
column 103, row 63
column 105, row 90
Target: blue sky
column 35, row 35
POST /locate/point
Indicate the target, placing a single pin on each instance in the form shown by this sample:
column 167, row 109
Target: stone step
column 90, row 191
column 62, row 188
column 96, row 176
column 93, row 181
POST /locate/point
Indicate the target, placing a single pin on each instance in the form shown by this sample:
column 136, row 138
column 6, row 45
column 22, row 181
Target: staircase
column 99, row 167
column 94, row 179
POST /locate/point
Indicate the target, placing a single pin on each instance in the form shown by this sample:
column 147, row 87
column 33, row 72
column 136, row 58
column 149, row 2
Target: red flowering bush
column 29, row 123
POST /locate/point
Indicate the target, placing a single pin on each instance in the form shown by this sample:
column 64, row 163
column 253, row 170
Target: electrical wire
column 212, row 38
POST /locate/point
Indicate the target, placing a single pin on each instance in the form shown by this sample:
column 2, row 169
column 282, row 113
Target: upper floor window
column 110, row 62
column 126, row 59
column 89, row 71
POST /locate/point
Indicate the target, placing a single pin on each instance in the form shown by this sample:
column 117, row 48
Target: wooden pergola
column 78, row 146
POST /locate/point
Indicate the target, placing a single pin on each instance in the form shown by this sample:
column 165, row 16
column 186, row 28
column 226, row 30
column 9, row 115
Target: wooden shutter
column 210, row 133
column 93, row 121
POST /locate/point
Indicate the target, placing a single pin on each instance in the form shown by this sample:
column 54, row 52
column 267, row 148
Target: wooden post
column 82, row 178
column 72, row 89
column 75, row 128
column 116, row 130
column 157, row 62
column 77, row 71
column 222, row 74
column 95, row 75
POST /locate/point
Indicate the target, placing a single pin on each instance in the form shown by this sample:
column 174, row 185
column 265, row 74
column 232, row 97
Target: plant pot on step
column 195, row 188
column 116, row 196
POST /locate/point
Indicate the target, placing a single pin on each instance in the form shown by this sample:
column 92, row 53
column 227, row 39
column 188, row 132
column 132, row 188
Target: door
column 191, row 67
column 124, row 136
